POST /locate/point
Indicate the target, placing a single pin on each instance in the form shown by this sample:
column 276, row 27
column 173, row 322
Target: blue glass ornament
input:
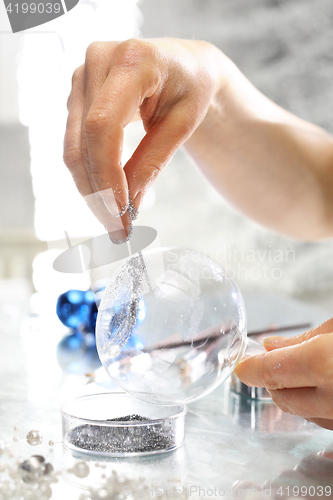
column 75, row 356
column 92, row 317
column 73, row 307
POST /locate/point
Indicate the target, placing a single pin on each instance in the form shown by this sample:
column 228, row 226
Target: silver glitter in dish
column 132, row 437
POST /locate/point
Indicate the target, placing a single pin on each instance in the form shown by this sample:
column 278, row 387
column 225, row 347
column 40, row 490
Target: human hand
column 169, row 82
column 297, row 372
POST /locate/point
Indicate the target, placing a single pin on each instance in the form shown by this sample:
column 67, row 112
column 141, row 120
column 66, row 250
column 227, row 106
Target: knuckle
column 95, row 53
column 96, row 121
column 77, row 75
column 132, row 52
column 72, row 157
column 321, row 348
column 267, row 375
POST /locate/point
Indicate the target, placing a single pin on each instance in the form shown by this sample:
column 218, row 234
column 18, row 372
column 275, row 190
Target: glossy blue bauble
column 75, row 356
column 92, row 317
column 73, row 307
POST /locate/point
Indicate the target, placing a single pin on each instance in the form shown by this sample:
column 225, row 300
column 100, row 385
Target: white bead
column 44, row 492
column 34, row 438
column 103, row 493
column 17, row 428
column 81, row 470
column 51, row 443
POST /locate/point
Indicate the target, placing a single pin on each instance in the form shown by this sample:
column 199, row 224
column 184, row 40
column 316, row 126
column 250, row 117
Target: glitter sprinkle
column 128, row 438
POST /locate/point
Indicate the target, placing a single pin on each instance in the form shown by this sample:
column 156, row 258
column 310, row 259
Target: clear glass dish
column 117, row 425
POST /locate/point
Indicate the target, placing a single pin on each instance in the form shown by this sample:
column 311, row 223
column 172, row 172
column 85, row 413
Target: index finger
column 274, row 342
column 287, row 367
column 118, row 100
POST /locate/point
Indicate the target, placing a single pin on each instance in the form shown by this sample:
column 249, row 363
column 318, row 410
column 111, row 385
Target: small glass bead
column 17, row 428
column 81, row 470
column 16, row 439
column 34, row 437
column 51, row 443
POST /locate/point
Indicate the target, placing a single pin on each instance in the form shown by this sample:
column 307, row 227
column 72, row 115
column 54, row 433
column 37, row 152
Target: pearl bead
column 17, row 428
column 103, row 493
column 51, row 443
column 34, row 437
column 16, row 439
column 81, row 470
column 44, row 492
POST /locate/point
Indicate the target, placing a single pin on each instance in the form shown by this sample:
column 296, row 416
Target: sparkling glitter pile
column 124, row 439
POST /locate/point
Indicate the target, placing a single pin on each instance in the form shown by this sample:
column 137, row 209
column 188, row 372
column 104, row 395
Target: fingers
column 304, row 365
column 172, row 94
column 72, row 142
column 157, row 148
column 103, row 173
column 306, row 402
column 118, row 229
column 276, row 342
column 322, row 422
column 110, row 107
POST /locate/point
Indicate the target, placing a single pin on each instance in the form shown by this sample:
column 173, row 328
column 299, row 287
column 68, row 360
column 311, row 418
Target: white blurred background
column 285, row 47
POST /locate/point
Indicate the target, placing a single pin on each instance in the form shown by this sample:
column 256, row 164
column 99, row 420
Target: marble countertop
column 232, row 444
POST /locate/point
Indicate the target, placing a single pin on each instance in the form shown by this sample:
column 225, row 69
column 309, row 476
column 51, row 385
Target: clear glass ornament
column 171, row 326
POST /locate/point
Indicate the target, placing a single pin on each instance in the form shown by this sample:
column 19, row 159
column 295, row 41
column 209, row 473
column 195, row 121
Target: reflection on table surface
column 234, row 446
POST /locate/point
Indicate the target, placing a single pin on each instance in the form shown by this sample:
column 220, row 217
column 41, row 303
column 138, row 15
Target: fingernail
column 121, row 236
column 135, row 206
column 274, row 340
column 113, row 206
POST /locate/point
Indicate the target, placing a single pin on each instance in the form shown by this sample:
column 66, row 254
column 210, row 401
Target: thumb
column 275, row 342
